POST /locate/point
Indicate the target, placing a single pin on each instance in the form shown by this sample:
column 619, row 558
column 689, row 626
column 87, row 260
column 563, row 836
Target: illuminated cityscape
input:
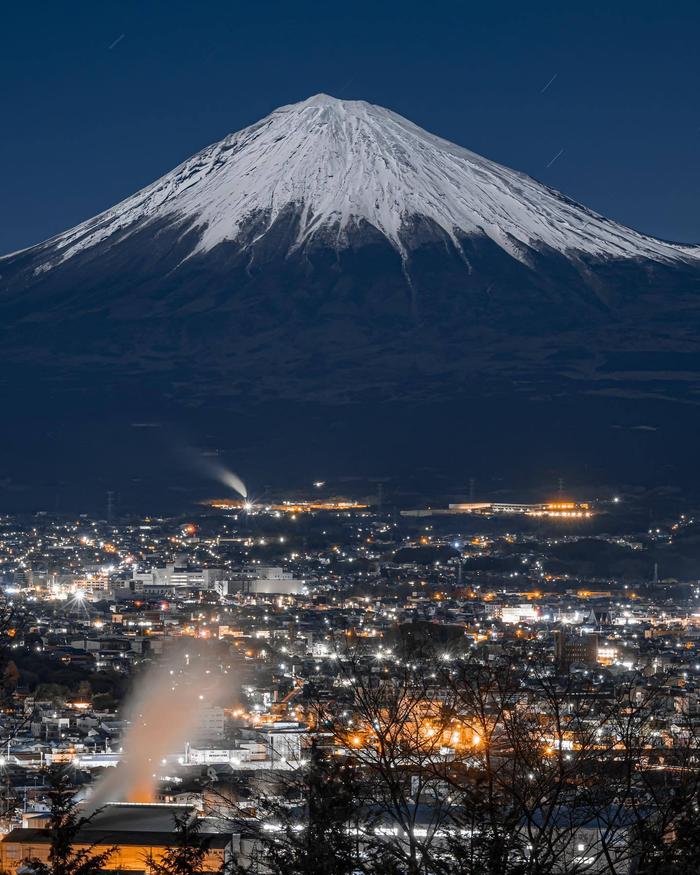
column 349, row 483
column 200, row 665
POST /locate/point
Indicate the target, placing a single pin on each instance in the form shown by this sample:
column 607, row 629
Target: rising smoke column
column 233, row 481
column 163, row 713
column 213, row 468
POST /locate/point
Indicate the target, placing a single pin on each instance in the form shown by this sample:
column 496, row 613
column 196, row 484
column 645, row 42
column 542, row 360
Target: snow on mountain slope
column 338, row 163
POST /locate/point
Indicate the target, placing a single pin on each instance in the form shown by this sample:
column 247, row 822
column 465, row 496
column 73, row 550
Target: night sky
column 99, row 99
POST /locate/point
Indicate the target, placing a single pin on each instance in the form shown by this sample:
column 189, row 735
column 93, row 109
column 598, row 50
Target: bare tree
column 455, row 764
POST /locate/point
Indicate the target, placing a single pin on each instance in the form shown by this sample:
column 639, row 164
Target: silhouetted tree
column 451, row 763
column 65, row 825
column 12, row 623
column 301, row 823
column 188, row 854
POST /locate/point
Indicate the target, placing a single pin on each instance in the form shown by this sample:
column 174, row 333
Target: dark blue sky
column 84, row 124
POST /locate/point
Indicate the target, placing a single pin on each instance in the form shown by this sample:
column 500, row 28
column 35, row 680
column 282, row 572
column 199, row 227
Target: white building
column 278, row 746
column 263, row 580
column 522, row 613
column 160, row 579
column 210, row 723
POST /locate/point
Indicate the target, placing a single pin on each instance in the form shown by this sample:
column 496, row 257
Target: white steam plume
column 211, row 467
column 163, row 714
column 233, row 481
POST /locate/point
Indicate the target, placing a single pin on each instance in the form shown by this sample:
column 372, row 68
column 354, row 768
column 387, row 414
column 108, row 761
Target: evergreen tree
column 188, row 854
column 64, row 826
column 311, row 836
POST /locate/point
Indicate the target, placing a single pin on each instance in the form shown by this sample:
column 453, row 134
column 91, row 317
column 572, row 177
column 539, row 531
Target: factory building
column 160, row 580
column 139, row 832
column 262, row 580
column 556, row 509
column 548, row 509
column 279, row 746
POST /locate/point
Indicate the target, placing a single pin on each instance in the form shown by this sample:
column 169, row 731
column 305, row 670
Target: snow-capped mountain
column 332, row 278
column 333, row 249
column 340, row 164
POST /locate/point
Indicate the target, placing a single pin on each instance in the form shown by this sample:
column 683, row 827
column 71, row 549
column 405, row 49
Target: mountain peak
column 325, row 106
column 337, row 104
column 322, row 99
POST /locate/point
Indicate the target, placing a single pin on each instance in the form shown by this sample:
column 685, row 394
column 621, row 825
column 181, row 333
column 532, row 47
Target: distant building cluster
column 278, row 628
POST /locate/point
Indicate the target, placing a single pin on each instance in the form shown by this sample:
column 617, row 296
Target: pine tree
column 64, row 826
column 188, row 854
column 313, row 837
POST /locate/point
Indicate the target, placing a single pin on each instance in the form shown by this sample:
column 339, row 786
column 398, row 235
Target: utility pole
column 110, row 505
